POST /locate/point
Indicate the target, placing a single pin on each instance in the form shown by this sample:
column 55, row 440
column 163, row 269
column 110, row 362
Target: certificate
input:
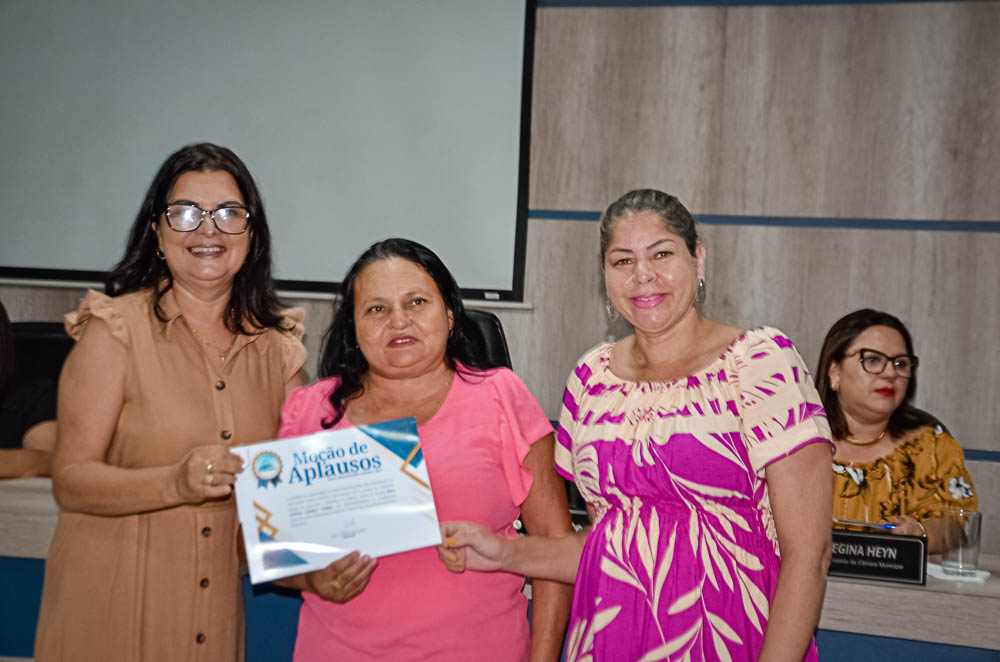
column 307, row 501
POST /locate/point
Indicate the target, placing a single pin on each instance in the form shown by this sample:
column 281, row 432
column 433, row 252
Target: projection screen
column 360, row 119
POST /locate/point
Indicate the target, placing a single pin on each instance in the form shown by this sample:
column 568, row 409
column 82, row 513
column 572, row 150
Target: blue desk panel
column 20, row 601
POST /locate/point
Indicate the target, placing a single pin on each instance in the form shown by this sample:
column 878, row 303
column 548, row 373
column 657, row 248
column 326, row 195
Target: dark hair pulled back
column 671, row 211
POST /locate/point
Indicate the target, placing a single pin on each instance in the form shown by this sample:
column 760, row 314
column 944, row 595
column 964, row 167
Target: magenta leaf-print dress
column 683, row 559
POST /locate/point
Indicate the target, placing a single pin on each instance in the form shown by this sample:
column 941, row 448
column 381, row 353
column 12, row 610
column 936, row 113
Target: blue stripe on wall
column 982, row 456
column 719, row 3
column 564, row 215
column 795, row 221
column 851, row 223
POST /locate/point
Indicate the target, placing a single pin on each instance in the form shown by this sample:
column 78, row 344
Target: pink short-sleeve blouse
column 415, row 609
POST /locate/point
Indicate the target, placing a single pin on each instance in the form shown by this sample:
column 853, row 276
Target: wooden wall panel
column 565, row 287
column 942, row 285
column 625, row 98
column 863, row 110
column 986, row 480
column 858, row 111
column 39, row 303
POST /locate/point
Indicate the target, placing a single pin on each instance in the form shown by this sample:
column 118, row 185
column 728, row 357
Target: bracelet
column 923, row 529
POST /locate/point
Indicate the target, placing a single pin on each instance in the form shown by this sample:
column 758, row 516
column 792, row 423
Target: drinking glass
column 962, row 542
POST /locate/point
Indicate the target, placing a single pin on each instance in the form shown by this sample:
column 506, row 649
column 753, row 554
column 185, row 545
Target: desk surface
column 943, row 611
column 28, row 515
column 947, row 612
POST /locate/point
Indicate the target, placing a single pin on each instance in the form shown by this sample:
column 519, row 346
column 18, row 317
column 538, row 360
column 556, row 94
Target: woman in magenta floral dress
column 702, row 451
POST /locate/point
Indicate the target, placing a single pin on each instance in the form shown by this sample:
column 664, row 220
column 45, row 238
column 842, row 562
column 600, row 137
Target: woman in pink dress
column 401, row 345
column 702, row 451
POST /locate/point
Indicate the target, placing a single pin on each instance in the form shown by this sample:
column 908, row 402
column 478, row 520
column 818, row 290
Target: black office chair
column 40, row 348
column 496, row 342
column 496, row 349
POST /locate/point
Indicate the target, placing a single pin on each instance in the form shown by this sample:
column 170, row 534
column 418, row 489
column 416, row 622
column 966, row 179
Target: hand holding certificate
column 305, row 502
column 341, row 581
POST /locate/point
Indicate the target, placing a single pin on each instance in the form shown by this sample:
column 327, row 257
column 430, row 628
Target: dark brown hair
column 253, row 301
column 838, row 339
column 343, row 358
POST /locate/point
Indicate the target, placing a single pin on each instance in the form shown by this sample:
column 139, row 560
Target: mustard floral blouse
column 925, row 473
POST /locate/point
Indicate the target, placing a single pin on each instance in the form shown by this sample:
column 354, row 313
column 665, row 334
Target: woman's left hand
column 343, row 580
column 206, row 472
column 908, row 526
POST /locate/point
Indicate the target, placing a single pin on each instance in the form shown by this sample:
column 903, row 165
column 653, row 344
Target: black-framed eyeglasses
column 233, row 219
column 874, row 362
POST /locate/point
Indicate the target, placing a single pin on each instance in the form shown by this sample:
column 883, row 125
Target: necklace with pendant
column 223, row 353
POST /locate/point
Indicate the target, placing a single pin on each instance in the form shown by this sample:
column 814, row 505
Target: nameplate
column 881, row 556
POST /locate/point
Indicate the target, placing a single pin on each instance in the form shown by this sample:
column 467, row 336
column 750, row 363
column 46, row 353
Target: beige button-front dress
column 164, row 585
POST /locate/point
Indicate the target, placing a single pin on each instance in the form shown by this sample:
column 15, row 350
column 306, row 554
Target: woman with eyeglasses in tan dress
column 894, row 464
column 189, row 355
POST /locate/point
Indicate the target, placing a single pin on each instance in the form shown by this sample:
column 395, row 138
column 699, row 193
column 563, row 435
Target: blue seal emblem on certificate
column 267, row 468
column 307, row 501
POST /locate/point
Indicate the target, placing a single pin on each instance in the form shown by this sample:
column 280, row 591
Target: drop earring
column 700, row 293
column 610, row 308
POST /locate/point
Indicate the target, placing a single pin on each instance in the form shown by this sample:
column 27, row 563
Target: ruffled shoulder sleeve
column 780, row 409
column 293, row 352
column 101, row 306
column 522, row 423
column 306, row 407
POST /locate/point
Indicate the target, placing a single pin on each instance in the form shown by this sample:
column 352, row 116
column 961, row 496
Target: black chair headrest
column 40, row 348
column 492, row 330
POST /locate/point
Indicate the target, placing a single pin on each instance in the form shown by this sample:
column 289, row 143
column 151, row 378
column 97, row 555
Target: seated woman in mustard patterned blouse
column 894, row 463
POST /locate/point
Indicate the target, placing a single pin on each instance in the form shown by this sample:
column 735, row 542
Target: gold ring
column 336, row 584
column 210, row 479
column 208, row 467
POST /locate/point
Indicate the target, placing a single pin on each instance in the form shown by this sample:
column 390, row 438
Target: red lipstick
column 886, row 392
